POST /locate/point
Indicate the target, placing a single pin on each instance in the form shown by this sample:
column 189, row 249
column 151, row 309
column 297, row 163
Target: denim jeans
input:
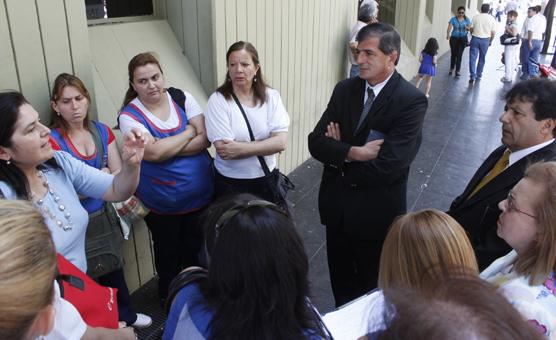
column 477, row 48
column 534, row 56
column 524, row 57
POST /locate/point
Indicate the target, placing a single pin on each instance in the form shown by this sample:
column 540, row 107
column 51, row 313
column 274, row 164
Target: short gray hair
column 367, row 11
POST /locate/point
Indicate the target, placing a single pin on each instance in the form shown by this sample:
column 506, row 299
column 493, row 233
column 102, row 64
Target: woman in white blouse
column 528, row 225
column 240, row 161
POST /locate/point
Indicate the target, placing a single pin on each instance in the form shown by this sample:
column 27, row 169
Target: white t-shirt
column 68, row 324
column 192, row 109
column 535, row 24
column 224, row 121
column 352, row 38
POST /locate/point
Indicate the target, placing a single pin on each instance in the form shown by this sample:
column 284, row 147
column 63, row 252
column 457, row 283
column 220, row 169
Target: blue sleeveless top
column 61, row 142
column 177, row 185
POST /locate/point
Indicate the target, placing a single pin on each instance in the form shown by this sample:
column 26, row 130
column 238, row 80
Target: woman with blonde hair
column 30, row 301
column 528, row 224
column 420, row 248
column 27, row 270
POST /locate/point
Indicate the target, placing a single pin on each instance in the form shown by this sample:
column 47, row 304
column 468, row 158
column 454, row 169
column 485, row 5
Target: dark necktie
column 366, row 107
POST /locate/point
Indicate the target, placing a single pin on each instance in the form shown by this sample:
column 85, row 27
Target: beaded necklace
column 64, row 223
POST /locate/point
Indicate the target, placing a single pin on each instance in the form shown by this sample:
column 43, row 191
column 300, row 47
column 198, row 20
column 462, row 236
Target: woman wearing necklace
column 30, row 169
column 240, row 161
column 176, row 174
column 74, row 133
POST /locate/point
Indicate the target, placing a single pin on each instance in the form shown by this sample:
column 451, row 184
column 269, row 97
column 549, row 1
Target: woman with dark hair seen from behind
column 30, row 303
column 177, row 179
column 256, row 286
column 240, row 163
column 424, row 243
column 458, row 28
column 74, row 133
column 458, row 307
column 52, row 180
column 526, row 275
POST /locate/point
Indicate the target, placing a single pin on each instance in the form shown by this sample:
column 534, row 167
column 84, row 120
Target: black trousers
column 457, row 45
column 177, row 241
column 353, row 264
column 116, row 279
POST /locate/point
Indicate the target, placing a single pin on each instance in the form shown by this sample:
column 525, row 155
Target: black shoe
column 458, row 74
column 450, row 72
column 471, row 81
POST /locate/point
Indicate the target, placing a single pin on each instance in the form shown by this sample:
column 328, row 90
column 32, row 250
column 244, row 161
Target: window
column 105, row 9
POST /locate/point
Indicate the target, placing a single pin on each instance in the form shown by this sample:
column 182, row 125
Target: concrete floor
column 461, row 128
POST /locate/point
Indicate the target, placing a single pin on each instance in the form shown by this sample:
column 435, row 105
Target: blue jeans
column 524, row 57
column 354, row 71
column 478, row 47
column 534, row 56
column 530, row 57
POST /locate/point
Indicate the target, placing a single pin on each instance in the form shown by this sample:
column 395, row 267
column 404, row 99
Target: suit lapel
column 509, row 177
column 356, row 103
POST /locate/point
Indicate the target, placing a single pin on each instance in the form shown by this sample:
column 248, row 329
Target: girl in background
column 428, row 64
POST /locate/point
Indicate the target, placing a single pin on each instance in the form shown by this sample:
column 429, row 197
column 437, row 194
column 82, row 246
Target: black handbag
column 103, row 240
column 508, row 39
column 277, row 182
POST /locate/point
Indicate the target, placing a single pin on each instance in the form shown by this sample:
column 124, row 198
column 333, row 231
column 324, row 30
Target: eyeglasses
column 512, row 207
column 461, row 12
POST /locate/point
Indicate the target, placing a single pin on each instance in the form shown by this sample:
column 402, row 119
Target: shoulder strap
column 98, row 143
column 260, row 158
column 178, row 96
column 181, row 280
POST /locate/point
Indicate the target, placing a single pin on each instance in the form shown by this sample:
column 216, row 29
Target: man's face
column 520, row 130
column 374, row 66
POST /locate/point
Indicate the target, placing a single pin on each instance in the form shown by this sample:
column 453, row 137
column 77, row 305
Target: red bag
column 96, row 304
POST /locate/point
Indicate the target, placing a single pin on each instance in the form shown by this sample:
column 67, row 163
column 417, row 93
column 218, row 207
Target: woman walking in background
column 458, row 27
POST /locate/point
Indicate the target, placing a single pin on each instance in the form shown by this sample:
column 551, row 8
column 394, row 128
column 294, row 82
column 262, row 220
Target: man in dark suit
column 366, row 138
column 528, row 130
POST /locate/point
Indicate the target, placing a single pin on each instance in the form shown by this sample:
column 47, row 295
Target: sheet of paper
column 351, row 321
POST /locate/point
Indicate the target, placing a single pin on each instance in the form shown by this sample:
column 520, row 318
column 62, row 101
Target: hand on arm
column 126, row 181
column 365, row 153
column 200, row 141
column 159, row 150
column 230, row 149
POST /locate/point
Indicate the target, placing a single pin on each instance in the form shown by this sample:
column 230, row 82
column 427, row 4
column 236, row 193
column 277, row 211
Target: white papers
column 356, row 318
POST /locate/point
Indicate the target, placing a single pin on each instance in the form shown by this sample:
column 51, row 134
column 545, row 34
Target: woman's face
column 241, row 68
column 148, row 82
column 71, row 105
column 518, row 223
column 461, row 13
column 29, row 142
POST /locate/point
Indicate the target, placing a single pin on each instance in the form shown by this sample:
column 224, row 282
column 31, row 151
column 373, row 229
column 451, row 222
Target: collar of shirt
column 517, row 155
column 376, row 89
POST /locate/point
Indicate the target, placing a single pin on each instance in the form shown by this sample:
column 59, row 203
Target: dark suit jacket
column 364, row 197
column 479, row 214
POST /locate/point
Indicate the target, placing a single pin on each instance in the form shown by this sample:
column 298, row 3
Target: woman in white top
column 239, row 167
column 528, row 224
